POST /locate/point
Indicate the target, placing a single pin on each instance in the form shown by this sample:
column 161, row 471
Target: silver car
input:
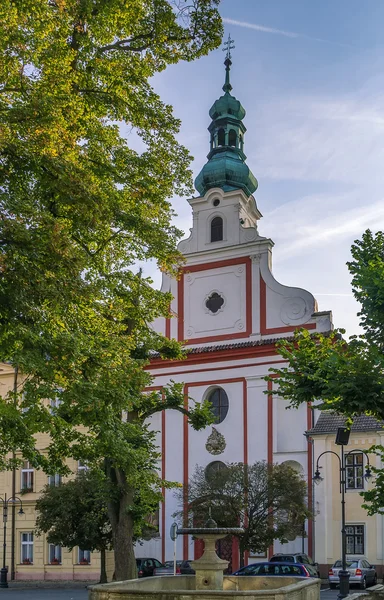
column 362, row 573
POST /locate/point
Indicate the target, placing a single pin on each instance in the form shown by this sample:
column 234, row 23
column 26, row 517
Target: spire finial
column 228, row 46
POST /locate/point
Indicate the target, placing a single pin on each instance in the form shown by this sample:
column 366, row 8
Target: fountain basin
column 182, row 587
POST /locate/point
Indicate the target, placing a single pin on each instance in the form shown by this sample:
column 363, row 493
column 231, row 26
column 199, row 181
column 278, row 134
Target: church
column 228, row 310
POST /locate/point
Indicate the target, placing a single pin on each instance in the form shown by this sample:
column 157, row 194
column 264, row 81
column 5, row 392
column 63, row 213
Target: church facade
column 229, row 311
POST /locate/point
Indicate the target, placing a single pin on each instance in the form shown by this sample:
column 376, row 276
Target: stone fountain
column 209, row 568
column 209, row 582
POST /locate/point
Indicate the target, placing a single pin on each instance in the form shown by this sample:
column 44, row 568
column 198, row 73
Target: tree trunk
column 103, row 570
column 242, row 552
column 122, row 525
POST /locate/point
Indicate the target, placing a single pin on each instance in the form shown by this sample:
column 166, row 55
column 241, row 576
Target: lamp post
column 342, row 439
column 6, row 501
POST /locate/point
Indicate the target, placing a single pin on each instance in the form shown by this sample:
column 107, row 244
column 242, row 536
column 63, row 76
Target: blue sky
column 310, row 76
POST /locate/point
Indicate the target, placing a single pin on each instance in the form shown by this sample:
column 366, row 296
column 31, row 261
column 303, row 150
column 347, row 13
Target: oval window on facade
column 219, row 400
column 213, row 468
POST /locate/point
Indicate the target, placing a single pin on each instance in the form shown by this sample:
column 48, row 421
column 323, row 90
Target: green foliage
column 80, row 204
column 345, row 378
column 75, row 513
column 267, row 500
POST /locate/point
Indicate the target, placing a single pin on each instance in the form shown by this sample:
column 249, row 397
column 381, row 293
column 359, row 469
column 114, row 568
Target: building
column 365, row 534
column 229, row 311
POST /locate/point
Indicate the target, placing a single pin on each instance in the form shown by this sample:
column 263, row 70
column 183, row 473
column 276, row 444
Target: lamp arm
column 327, row 452
column 355, row 450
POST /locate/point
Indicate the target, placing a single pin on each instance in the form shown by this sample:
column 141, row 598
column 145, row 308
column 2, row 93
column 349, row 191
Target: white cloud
column 289, row 34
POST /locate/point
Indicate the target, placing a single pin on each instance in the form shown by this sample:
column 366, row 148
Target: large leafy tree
column 347, row 378
column 79, row 205
column 267, row 500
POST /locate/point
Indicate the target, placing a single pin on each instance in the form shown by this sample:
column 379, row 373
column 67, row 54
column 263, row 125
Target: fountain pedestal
column 209, row 568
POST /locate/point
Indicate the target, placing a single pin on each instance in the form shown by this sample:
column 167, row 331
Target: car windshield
column 351, row 564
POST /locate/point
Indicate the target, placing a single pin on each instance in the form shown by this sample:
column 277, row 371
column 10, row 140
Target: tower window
column 221, row 137
column 216, row 229
column 232, row 137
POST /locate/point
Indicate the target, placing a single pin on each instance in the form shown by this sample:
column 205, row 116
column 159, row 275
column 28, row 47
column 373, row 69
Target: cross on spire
column 228, row 46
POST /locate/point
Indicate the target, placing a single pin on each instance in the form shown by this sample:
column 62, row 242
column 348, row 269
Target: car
column 296, row 557
column 147, row 566
column 186, row 569
column 168, row 567
column 278, row 568
column 362, row 573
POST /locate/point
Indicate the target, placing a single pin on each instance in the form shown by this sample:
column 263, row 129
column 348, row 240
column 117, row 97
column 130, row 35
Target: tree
column 79, row 206
column 347, row 378
column 75, row 514
column 267, row 500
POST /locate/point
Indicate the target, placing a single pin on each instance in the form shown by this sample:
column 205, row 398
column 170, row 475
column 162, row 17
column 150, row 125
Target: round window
column 214, row 468
column 219, row 400
column 216, row 202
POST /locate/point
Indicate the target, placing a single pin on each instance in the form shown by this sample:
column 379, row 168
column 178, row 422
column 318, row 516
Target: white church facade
column 229, row 311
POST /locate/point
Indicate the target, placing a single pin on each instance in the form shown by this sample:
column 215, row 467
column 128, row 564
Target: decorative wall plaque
column 216, row 442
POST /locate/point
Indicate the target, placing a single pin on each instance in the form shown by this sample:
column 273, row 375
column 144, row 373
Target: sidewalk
column 73, row 585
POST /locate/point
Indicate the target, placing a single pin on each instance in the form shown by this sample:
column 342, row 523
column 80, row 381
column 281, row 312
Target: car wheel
column 332, row 586
column 363, row 584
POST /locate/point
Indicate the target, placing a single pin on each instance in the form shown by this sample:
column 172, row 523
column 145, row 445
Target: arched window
column 219, row 400
column 213, row 468
column 221, row 137
column 232, row 137
column 241, row 142
column 216, row 229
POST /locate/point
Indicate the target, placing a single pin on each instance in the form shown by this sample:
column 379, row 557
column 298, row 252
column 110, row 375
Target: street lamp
column 342, row 439
column 6, row 501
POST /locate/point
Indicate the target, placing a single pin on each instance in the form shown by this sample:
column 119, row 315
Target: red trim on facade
column 163, row 441
column 245, row 260
column 235, row 554
column 270, row 424
column 310, row 481
column 215, row 356
column 223, row 368
column 185, row 471
column 168, row 328
column 245, row 422
column 263, row 316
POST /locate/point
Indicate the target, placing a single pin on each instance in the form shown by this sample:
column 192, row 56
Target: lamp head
column 368, row 473
column 317, row 477
column 21, row 512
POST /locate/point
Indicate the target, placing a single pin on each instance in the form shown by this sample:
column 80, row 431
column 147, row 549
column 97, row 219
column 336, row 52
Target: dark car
column 278, row 569
column 147, row 566
column 296, row 557
column 186, row 569
column 167, row 568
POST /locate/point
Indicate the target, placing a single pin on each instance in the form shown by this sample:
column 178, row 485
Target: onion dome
column 226, row 167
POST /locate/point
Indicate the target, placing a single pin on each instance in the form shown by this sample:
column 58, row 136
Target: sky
column 311, row 77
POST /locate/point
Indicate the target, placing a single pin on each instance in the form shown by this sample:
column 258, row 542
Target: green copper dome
column 226, row 167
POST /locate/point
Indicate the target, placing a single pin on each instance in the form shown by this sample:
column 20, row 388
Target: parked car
column 296, row 557
column 147, row 566
column 167, row 568
column 186, row 569
column 278, row 569
column 362, row 573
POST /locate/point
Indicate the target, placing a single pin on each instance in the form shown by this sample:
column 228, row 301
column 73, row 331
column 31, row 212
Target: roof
column 329, row 422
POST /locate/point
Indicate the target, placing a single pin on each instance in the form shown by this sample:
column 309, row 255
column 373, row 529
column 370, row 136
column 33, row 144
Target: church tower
column 228, row 310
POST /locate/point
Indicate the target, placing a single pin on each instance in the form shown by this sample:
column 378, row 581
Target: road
column 43, row 594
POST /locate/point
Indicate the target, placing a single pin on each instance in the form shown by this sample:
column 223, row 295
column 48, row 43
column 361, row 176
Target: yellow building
column 28, row 556
column 365, row 534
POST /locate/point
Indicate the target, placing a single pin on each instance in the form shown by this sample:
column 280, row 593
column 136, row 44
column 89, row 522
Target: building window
column 27, row 477
column 54, row 554
column 84, row 557
column 54, row 404
column 217, row 229
column 232, row 137
column 54, row 480
column 221, row 137
column 354, row 469
column 355, row 539
column 82, row 466
column 219, row 400
column 213, row 468
column 27, row 548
